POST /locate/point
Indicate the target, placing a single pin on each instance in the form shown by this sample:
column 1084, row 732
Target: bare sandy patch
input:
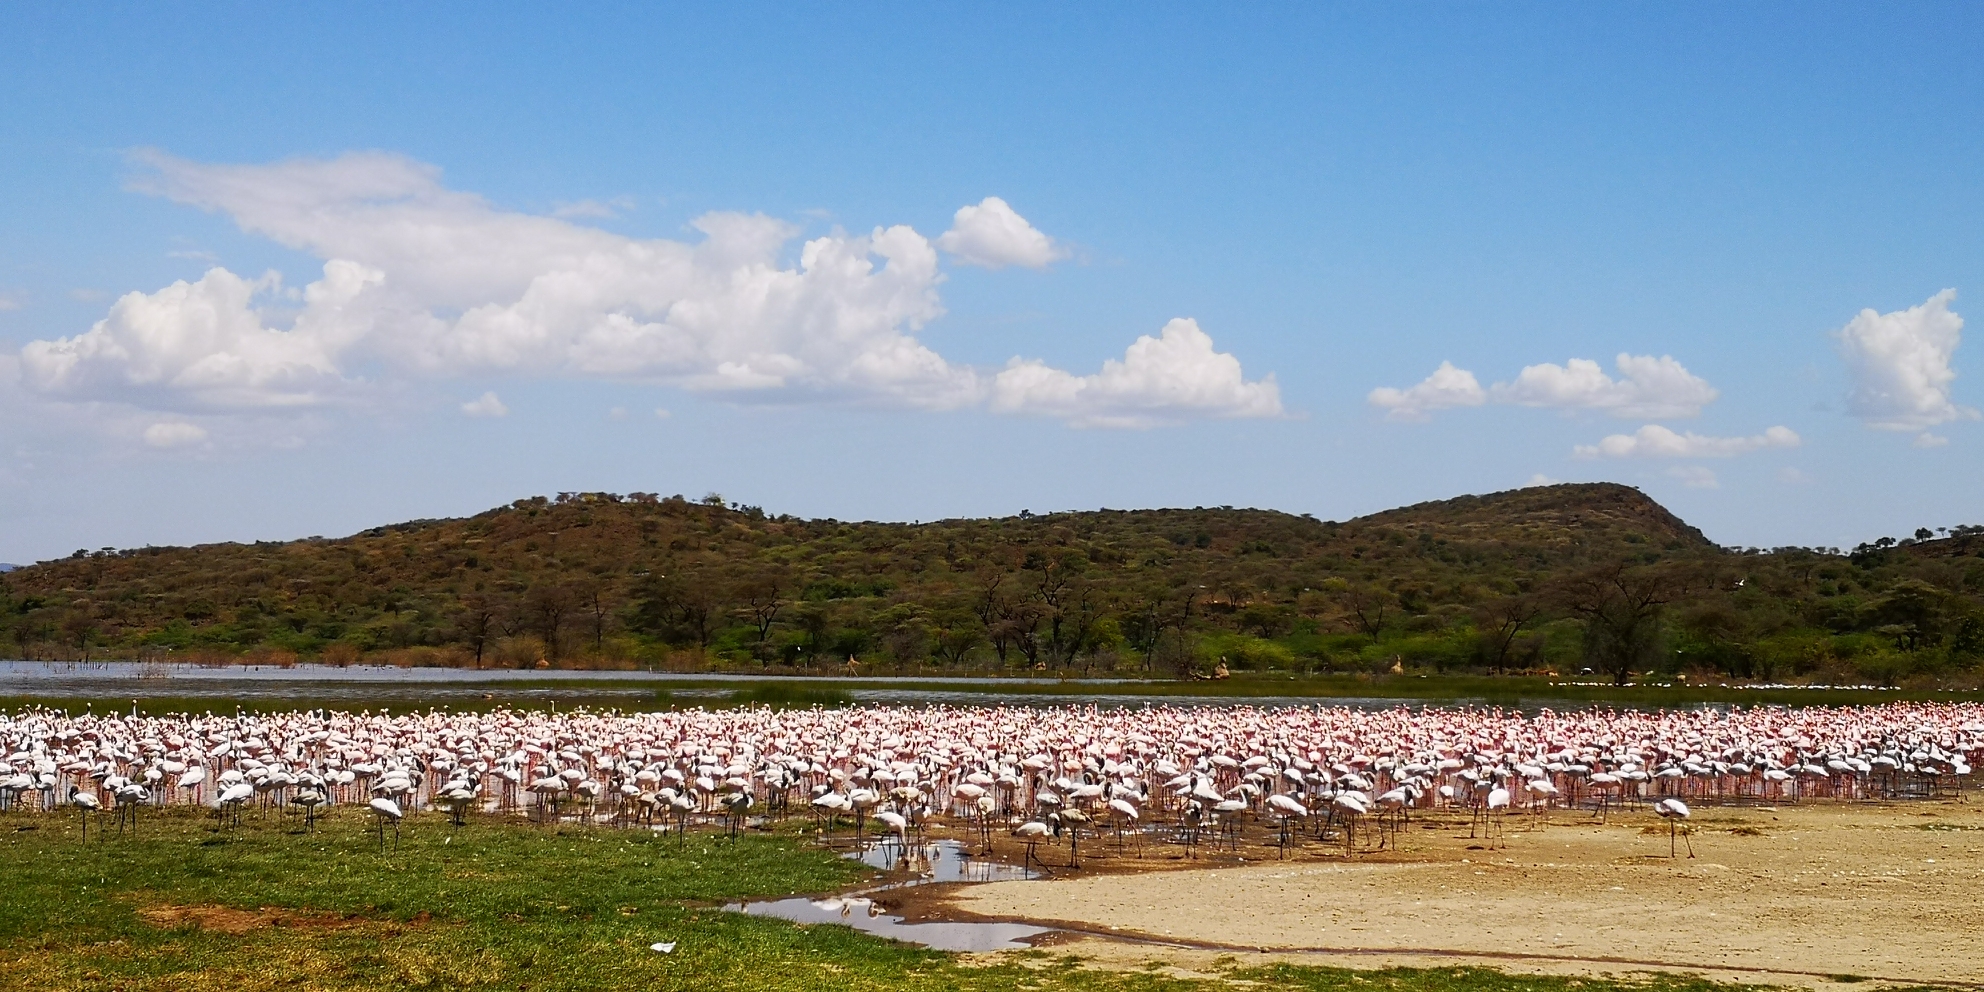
column 1888, row 892
column 228, row 920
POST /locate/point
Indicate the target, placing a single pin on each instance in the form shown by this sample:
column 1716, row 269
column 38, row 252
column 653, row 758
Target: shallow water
column 862, row 914
column 935, row 861
column 362, row 686
column 924, row 864
column 146, row 670
column 196, row 687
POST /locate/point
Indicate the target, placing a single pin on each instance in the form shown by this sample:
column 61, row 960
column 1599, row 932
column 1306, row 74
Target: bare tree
column 481, row 620
column 763, row 599
column 1500, row 623
column 549, row 607
column 993, row 610
column 599, row 611
column 1621, row 608
column 1368, row 607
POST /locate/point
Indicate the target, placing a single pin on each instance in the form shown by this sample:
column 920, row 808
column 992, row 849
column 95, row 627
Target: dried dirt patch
column 1795, row 893
column 228, row 920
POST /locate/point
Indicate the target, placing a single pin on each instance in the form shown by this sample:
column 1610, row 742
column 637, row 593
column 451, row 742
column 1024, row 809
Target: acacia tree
column 763, row 596
column 955, row 633
column 1499, row 624
column 549, row 607
column 1144, row 623
column 480, row 620
column 1368, row 607
column 992, row 609
column 679, row 605
column 1621, row 608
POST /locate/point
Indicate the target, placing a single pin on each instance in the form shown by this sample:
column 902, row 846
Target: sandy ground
column 1782, row 895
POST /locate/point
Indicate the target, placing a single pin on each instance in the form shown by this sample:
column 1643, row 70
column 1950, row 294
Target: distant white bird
column 664, row 947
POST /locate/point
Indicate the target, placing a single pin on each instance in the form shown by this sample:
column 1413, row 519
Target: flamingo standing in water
column 1033, row 832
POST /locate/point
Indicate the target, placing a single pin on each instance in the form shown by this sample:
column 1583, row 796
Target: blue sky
column 544, row 225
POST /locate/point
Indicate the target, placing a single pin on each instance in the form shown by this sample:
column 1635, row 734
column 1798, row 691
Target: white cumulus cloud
column 174, row 434
column 1647, row 387
column 1900, row 365
column 992, row 235
column 204, row 344
column 1446, row 387
column 423, row 282
column 486, row 405
column 1655, row 441
column 1160, row 379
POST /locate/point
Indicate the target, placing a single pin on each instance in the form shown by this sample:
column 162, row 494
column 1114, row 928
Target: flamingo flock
column 1192, row 776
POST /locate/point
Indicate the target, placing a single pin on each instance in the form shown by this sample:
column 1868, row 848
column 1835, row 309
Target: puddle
column 937, row 861
column 862, row 914
column 923, row 864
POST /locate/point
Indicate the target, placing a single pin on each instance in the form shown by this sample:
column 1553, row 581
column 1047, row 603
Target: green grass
column 505, row 907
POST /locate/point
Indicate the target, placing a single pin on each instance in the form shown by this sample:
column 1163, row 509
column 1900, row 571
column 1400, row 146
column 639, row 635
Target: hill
column 1512, row 580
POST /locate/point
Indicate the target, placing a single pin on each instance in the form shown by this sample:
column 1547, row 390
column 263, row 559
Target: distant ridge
column 1478, row 583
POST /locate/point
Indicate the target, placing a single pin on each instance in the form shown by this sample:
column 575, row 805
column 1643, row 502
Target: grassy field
column 183, row 907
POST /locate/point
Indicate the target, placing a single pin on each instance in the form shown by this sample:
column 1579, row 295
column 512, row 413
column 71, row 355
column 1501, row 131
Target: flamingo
column 85, row 804
column 231, row 800
column 1033, row 832
column 896, row 824
column 309, row 797
column 1072, row 820
column 1124, row 813
column 1287, row 808
column 384, row 810
column 736, row 805
column 1498, row 811
column 1674, row 811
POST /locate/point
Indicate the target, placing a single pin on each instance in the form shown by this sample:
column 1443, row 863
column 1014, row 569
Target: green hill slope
column 1510, row 580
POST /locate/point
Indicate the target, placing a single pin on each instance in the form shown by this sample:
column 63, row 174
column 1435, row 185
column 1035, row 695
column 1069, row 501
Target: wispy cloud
column 1655, row 441
column 174, row 434
column 486, row 405
column 1695, row 476
column 1647, row 387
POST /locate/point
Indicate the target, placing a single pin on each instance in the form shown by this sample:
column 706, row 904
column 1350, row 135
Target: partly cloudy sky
column 872, row 266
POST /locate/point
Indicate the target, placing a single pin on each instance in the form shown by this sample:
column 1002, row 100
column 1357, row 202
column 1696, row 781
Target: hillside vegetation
column 1558, row 578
